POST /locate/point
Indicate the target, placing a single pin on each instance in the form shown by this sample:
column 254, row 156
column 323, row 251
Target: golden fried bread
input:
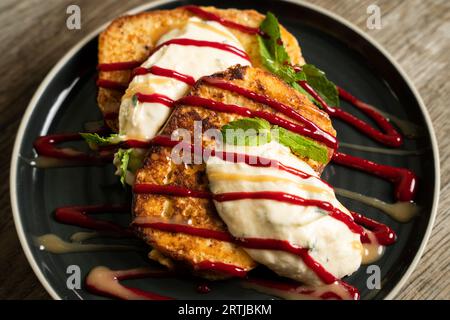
column 159, row 169
column 132, row 38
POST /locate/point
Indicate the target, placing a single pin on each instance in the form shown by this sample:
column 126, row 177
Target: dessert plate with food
column 266, row 149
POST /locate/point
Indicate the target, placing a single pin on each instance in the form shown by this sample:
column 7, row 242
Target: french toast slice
column 132, row 38
column 161, row 170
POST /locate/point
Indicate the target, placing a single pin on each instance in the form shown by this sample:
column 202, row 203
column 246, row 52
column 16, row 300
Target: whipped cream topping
column 330, row 241
column 142, row 120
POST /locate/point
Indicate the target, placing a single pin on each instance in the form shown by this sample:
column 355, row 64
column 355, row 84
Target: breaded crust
column 132, row 38
column 160, row 169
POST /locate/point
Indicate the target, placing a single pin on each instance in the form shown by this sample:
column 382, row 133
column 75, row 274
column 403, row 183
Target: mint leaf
column 94, row 140
column 302, row 146
column 247, row 131
column 266, row 57
column 248, row 123
column 317, row 79
column 272, row 39
column 128, row 161
column 121, row 160
column 276, row 59
column 136, row 161
column 237, row 133
column 285, row 71
column 264, row 52
column 273, row 53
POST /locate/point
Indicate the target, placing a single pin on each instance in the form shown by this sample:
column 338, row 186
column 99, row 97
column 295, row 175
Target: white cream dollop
column 143, row 120
column 329, row 240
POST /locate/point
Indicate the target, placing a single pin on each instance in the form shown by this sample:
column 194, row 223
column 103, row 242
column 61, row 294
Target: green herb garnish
column 276, row 59
column 256, row 131
column 302, row 146
column 128, row 161
column 122, row 159
column 247, row 131
column 94, row 140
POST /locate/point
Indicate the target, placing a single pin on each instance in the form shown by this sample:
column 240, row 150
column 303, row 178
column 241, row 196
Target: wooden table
column 34, row 37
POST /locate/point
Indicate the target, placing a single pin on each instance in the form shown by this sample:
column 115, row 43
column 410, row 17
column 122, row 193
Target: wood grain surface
column 34, row 37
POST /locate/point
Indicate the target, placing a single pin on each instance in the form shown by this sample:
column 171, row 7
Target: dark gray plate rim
column 39, row 92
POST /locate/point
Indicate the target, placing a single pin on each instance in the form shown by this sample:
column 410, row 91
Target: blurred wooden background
column 34, row 37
